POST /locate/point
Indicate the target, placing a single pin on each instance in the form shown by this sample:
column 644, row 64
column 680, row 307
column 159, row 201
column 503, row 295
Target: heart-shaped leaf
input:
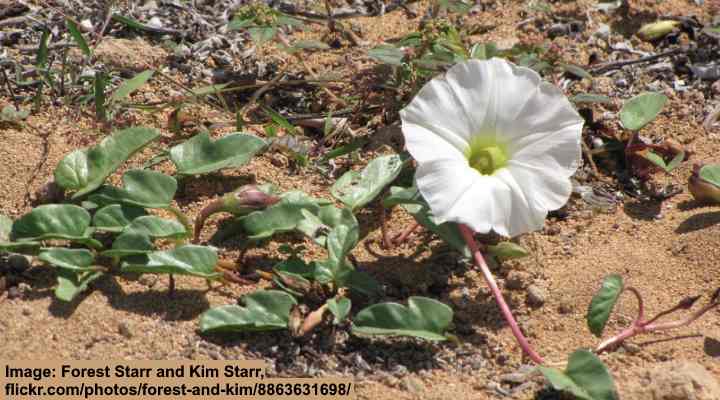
column 6, row 246
column 603, row 302
column 130, row 244
column 388, row 54
column 641, row 110
column 185, row 260
column 72, row 283
column 340, row 308
column 586, row 377
column 296, row 266
column 141, row 188
column 264, row 310
column 74, row 259
column 115, row 217
column 85, row 170
column 200, row 155
column 317, row 226
column 660, row 162
column 508, row 251
column 355, row 189
column 711, row 174
column 55, row 221
column 156, row 227
column 282, row 216
column 422, row 318
column 340, row 241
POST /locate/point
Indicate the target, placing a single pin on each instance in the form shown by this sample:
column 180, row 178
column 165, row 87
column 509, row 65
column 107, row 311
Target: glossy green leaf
column 77, row 36
column 283, row 216
column 356, row 189
column 115, row 217
column 711, row 173
column 185, row 260
column 641, row 110
column 388, row 54
column 586, row 377
column 141, row 188
column 74, row 259
column 72, row 283
column 130, row 244
column 131, row 85
column 603, row 302
column 660, row 162
column 340, row 308
column 297, row 266
column 6, row 246
column 53, row 221
column 508, row 251
column 422, row 318
column 156, row 227
column 200, row 155
column 264, row 310
column 85, row 170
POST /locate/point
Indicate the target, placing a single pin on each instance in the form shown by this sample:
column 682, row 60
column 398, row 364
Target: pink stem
column 468, row 235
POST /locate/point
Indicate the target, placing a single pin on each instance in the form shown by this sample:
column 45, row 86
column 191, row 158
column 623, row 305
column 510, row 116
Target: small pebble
column 536, row 296
column 26, row 311
column 124, row 330
column 517, row 280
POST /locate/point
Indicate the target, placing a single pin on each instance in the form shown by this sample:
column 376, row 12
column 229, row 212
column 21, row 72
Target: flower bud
column 702, row 189
column 657, row 30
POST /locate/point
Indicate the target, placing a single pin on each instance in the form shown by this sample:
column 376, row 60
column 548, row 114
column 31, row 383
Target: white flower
column 495, row 146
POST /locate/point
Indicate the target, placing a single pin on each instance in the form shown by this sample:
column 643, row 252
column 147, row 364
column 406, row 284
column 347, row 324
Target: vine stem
column 468, row 236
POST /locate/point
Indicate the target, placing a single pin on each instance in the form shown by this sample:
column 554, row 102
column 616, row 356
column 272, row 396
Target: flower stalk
column 469, row 238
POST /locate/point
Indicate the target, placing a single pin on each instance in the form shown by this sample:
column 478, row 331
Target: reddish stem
column 401, row 237
column 468, row 235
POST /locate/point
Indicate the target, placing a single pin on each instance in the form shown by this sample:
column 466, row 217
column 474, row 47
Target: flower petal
column 557, row 152
column 545, row 188
column 523, row 216
column 425, row 145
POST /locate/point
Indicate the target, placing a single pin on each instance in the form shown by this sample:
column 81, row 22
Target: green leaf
column 586, row 377
column 184, row 260
column 575, row 70
column 508, row 251
column 77, row 36
column 641, row 110
column 53, row 221
column 5, row 228
column 342, row 150
column 603, row 302
column 129, row 22
column 10, row 114
column 340, row 308
column 265, row 310
column 711, row 173
column 238, row 24
column 318, row 226
column 591, row 98
column 200, row 155
column 484, row 51
column 141, row 188
column 85, row 170
column 282, row 216
column 388, row 54
column 296, row 266
column 660, row 162
column 262, row 34
column 131, row 85
column 74, row 259
column 356, row 189
column 130, row 244
column 72, row 283
column 310, row 45
column 422, row 318
column 115, row 217
column 156, row 227
column 101, row 82
column 41, row 60
column 209, row 89
column 399, row 195
column 280, row 120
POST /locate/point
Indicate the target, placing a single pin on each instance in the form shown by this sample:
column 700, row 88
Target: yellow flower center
column 486, row 155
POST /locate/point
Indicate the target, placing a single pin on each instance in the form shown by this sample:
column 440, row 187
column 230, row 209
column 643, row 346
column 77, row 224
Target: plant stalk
column 468, row 235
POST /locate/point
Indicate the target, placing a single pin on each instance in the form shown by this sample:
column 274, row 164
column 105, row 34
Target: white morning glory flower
column 495, row 146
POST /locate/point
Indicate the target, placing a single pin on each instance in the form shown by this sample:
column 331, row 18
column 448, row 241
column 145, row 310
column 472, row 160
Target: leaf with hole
column 603, row 302
column 422, row 318
column 72, row 283
column 74, row 259
column 85, row 170
column 356, row 189
column 200, row 155
column 586, row 377
column 508, row 251
column 340, row 308
column 264, row 310
column 184, row 260
column 141, row 188
column 641, row 110
column 131, row 85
